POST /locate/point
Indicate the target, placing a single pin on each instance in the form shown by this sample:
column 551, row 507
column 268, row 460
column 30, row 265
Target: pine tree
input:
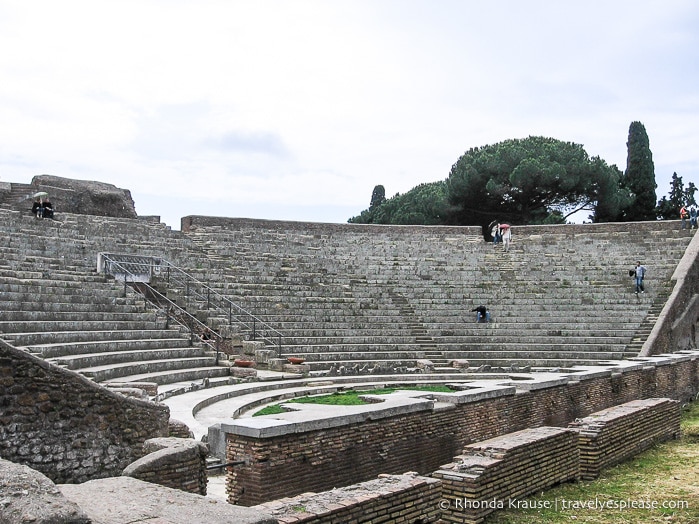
column 639, row 178
column 378, row 197
column 669, row 208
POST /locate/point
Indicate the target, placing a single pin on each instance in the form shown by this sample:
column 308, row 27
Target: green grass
column 350, row 397
column 667, row 474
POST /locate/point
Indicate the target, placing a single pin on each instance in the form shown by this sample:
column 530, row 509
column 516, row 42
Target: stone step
column 569, row 351
column 41, row 316
column 173, row 376
column 28, row 326
column 31, row 307
column 118, row 371
column 54, row 337
column 94, row 360
column 499, row 337
column 105, row 346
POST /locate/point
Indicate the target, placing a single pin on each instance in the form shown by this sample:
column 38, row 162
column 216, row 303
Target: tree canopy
column 532, row 181
column 669, row 208
column 535, row 180
column 424, row 204
column 378, row 197
column 639, row 177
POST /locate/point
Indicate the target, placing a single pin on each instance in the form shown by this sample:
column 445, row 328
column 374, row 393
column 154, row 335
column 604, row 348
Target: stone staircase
column 347, row 299
column 54, row 304
column 420, row 333
column 18, row 198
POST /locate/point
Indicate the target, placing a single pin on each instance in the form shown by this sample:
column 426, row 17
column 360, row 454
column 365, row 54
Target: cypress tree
column 639, row 178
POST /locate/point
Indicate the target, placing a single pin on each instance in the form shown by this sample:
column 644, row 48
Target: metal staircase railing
column 172, row 311
column 140, row 271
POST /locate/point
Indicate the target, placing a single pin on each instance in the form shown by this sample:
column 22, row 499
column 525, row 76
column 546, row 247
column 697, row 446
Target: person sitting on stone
column 37, row 209
column 481, row 313
column 47, row 209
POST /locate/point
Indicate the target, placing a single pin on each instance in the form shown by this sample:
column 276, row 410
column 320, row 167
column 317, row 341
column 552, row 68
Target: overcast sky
column 296, row 109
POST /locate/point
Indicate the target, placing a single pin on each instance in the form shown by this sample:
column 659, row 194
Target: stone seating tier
column 87, row 324
column 345, row 264
column 339, row 291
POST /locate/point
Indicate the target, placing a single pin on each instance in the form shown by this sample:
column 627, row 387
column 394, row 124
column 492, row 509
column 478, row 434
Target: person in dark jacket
column 482, row 314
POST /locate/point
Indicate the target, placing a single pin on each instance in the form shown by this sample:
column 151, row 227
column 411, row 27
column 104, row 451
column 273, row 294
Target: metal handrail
column 173, row 310
column 197, row 290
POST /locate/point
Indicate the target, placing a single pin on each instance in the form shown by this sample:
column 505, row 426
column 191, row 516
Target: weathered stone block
column 29, row 496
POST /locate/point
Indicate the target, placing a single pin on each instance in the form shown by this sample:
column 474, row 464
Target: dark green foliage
column 669, row 208
column 535, row 180
column 378, row 197
column 424, row 204
column 689, row 194
column 639, row 178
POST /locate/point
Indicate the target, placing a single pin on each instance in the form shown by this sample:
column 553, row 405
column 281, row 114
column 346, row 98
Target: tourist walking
column 506, row 235
column 495, row 231
column 639, row 274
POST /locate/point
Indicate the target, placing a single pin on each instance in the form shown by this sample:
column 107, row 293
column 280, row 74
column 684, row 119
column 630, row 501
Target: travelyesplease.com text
column 563, row 504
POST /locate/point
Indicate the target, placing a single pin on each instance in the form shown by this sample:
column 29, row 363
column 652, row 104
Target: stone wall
column 493, row 473
column 676, row 327
column 63, row 425
column 177, row 463
column 406, row 498
column 613, row 435
column 193, row 222
column 288, row 459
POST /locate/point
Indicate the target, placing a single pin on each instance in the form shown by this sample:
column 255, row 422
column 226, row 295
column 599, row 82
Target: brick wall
column 613, row 435
column 65, row 426
column 321, row 459
column 177, row 463
column 406, row 498
column 497, row 471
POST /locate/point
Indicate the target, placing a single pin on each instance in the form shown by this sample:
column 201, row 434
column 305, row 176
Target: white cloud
column 298, row 109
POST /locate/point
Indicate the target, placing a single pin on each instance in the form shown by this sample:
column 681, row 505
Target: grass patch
column 350, row 397
column 666, row 475
column 274, row 409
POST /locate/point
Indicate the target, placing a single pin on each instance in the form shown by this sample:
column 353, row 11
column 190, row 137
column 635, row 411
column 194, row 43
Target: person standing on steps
column 639, row 274
column 692, row 217
column 506, row 236
column 684, row 216
column 495, row 231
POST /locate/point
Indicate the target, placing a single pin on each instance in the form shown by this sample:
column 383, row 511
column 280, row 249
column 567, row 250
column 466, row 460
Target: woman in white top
column 506, row 237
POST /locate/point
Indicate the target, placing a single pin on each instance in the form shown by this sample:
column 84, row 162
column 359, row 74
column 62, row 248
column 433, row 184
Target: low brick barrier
column 290, row 453
column 615, row 434
column 406, row 498
column 490, row 474
column 172, row 462
column 177, row 428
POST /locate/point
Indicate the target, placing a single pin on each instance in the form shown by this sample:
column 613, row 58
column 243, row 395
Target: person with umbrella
column 506, row 235
column 42, row 207
column 38, row 206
